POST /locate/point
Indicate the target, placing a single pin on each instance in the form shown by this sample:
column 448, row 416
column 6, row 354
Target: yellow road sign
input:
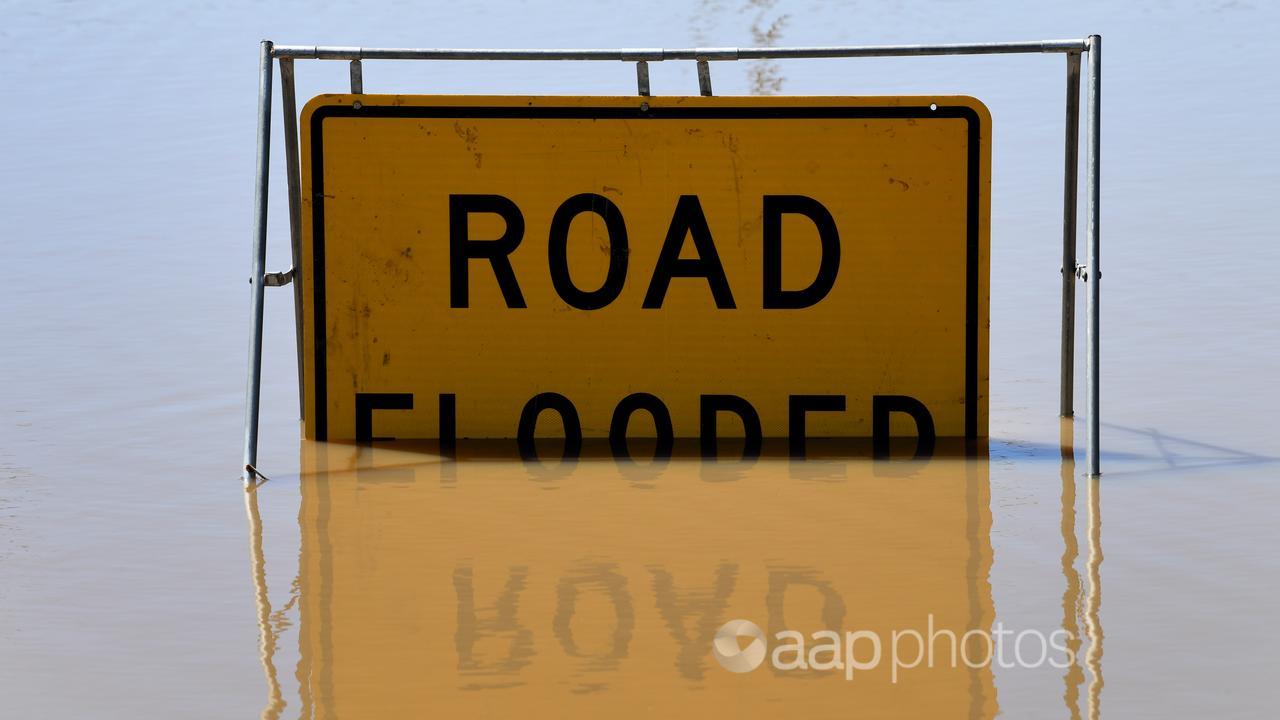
column 498, row 267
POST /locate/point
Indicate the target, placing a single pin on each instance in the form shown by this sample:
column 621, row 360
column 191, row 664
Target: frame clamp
column 278, row 279
column 1082, row 272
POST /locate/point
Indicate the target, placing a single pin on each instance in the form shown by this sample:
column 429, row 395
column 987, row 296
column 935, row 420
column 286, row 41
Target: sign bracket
column 704, row 78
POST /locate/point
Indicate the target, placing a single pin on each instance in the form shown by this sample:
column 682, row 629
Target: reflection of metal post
column 257, row 278
column 1070, row 177
column 1092, row 617
column 295, row 206
column 266, row 634
column 1074, row 676
column 1093, row 272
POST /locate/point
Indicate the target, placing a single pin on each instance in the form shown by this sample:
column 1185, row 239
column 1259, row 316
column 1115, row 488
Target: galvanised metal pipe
column 1002, row 48
column 290, row 107
column 1094, row 269
column 1070, row 179
column 315, row 52
column 259, row 262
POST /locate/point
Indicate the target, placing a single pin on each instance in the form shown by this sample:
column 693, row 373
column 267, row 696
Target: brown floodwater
column 139, row 579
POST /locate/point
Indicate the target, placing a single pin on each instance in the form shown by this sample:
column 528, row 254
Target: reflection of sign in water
column 731, row 266
column 587, row 590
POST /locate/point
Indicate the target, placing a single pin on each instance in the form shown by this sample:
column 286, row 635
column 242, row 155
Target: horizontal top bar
column 657, row 54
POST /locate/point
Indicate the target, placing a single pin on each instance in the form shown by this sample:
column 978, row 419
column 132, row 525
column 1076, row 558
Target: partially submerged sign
column 498, row 267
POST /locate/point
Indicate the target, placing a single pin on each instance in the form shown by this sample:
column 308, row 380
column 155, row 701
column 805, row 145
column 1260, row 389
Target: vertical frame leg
column 1070, row 178
column 258, row 271
column 289, row 101
column 1094, row 270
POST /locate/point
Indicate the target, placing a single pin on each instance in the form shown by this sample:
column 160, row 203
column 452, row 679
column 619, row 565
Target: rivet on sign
column 644, row 106
column 357, row 105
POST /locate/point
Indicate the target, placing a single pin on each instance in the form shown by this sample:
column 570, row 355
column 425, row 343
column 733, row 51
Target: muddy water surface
column 138, row 579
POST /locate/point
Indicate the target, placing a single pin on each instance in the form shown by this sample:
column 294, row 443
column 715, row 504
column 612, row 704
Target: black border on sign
column 972, row 220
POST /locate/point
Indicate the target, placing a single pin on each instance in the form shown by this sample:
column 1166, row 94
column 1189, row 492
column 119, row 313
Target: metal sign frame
column 1071, row 270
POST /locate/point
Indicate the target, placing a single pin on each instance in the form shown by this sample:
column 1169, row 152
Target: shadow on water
column 1169, row 453
column 1179, row 453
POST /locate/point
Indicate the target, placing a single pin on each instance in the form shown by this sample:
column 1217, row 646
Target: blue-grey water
column 127, row 585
